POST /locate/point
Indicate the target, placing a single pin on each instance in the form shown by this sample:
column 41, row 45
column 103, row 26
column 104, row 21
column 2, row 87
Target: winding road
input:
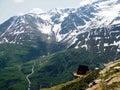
column 27, row 77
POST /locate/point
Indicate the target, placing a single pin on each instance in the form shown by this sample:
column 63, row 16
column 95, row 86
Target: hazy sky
column 10, row 8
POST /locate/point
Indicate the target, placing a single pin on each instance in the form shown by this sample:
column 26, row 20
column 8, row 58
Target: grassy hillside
column 58, row 68
column 109, row 79
column 80, row 83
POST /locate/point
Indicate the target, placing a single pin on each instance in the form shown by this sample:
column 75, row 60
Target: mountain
column 71, row 27
column 42, row 48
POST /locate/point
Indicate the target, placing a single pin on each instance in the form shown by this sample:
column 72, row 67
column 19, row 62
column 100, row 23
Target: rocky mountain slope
column 93, row 25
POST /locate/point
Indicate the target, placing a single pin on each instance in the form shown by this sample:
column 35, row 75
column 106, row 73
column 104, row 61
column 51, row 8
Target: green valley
column 49, row 70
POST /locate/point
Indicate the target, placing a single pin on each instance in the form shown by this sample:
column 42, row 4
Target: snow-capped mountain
column 95, row 24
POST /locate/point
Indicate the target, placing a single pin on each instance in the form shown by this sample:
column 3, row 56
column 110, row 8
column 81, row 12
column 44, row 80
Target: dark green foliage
column 80, row 85
column 11, row 78
column 3, row 61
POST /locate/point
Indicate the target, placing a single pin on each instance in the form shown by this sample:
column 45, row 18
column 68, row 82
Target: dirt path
column 27, row 77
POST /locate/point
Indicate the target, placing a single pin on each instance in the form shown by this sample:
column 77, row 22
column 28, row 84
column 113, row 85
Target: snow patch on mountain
column 44, row 28
column 85, row 2
column 108, row 10
column 36, row 11
column 45, row 16
column 63, row 17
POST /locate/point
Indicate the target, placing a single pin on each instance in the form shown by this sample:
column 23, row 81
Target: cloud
column 19, row 1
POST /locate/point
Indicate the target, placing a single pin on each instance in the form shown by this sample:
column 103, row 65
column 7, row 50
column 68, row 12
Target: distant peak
column 55, row 10
column 86, row 2
column 36, row 11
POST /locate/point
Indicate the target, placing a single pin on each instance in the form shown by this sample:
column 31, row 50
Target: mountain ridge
column 64, row 24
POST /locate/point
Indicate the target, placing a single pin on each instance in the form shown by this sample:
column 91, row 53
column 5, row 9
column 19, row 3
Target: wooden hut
column 82, row 70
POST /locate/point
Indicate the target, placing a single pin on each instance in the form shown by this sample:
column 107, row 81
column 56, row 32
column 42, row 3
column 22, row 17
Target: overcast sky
column 10, row 8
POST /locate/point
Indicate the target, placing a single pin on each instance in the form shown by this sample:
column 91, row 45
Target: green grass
column 11, row 77
column 65, row 85
column 80, row 83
